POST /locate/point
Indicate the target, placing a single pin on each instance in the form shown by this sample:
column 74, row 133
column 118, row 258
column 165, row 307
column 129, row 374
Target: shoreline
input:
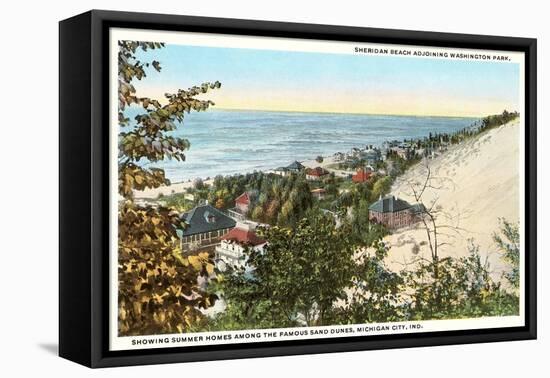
column 480, row 165
column 328, row 161
column 182, row 186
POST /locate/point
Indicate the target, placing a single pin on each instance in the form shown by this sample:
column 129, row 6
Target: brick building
column 362, row 175
column 394, row 213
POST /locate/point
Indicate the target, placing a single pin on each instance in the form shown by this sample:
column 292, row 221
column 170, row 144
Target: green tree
column 220, row 203
column 360, row 219
column 377, row 294
column 463, row 289
column 272, row 211
column 258, row 213
column 381, row 188
column 297, row 280
column 508, row 242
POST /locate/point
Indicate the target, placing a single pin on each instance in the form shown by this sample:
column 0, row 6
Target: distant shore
column 328, row 163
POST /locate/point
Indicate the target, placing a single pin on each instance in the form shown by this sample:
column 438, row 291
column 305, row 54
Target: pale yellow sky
column 383, row 102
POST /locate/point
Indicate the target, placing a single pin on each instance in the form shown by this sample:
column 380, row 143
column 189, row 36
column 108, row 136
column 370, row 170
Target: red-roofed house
column 242, row 202
column 231, row 250
column 315, row 173
column 243, row 235
column 362, row 175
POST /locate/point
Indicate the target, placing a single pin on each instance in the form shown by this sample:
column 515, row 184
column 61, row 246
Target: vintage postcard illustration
column 273, row 189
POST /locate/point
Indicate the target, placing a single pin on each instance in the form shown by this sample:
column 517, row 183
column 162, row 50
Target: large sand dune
column 477, row 182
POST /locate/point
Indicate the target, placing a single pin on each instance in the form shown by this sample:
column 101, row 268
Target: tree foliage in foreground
column 451, row 288
column 158, row 287
column 315, row 274
column 299, row 277
column 375, row 294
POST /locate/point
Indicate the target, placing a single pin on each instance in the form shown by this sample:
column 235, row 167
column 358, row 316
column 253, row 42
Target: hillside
column 474, row 184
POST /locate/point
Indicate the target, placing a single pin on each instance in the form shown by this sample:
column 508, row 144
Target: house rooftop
column 317, row 171
column 243, row 236
column 390, row 204
column 295, row 165
column 205, row 218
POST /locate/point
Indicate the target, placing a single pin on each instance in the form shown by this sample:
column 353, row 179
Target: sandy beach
column 180, row 187
column 477, row 182
column 177, row 187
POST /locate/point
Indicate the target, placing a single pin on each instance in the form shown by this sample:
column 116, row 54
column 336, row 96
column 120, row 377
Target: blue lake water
column 228, row 142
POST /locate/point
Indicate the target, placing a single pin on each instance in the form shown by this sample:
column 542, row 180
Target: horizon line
column 355, row 113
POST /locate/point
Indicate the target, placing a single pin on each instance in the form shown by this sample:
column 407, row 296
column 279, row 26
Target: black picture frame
column 84, row 194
